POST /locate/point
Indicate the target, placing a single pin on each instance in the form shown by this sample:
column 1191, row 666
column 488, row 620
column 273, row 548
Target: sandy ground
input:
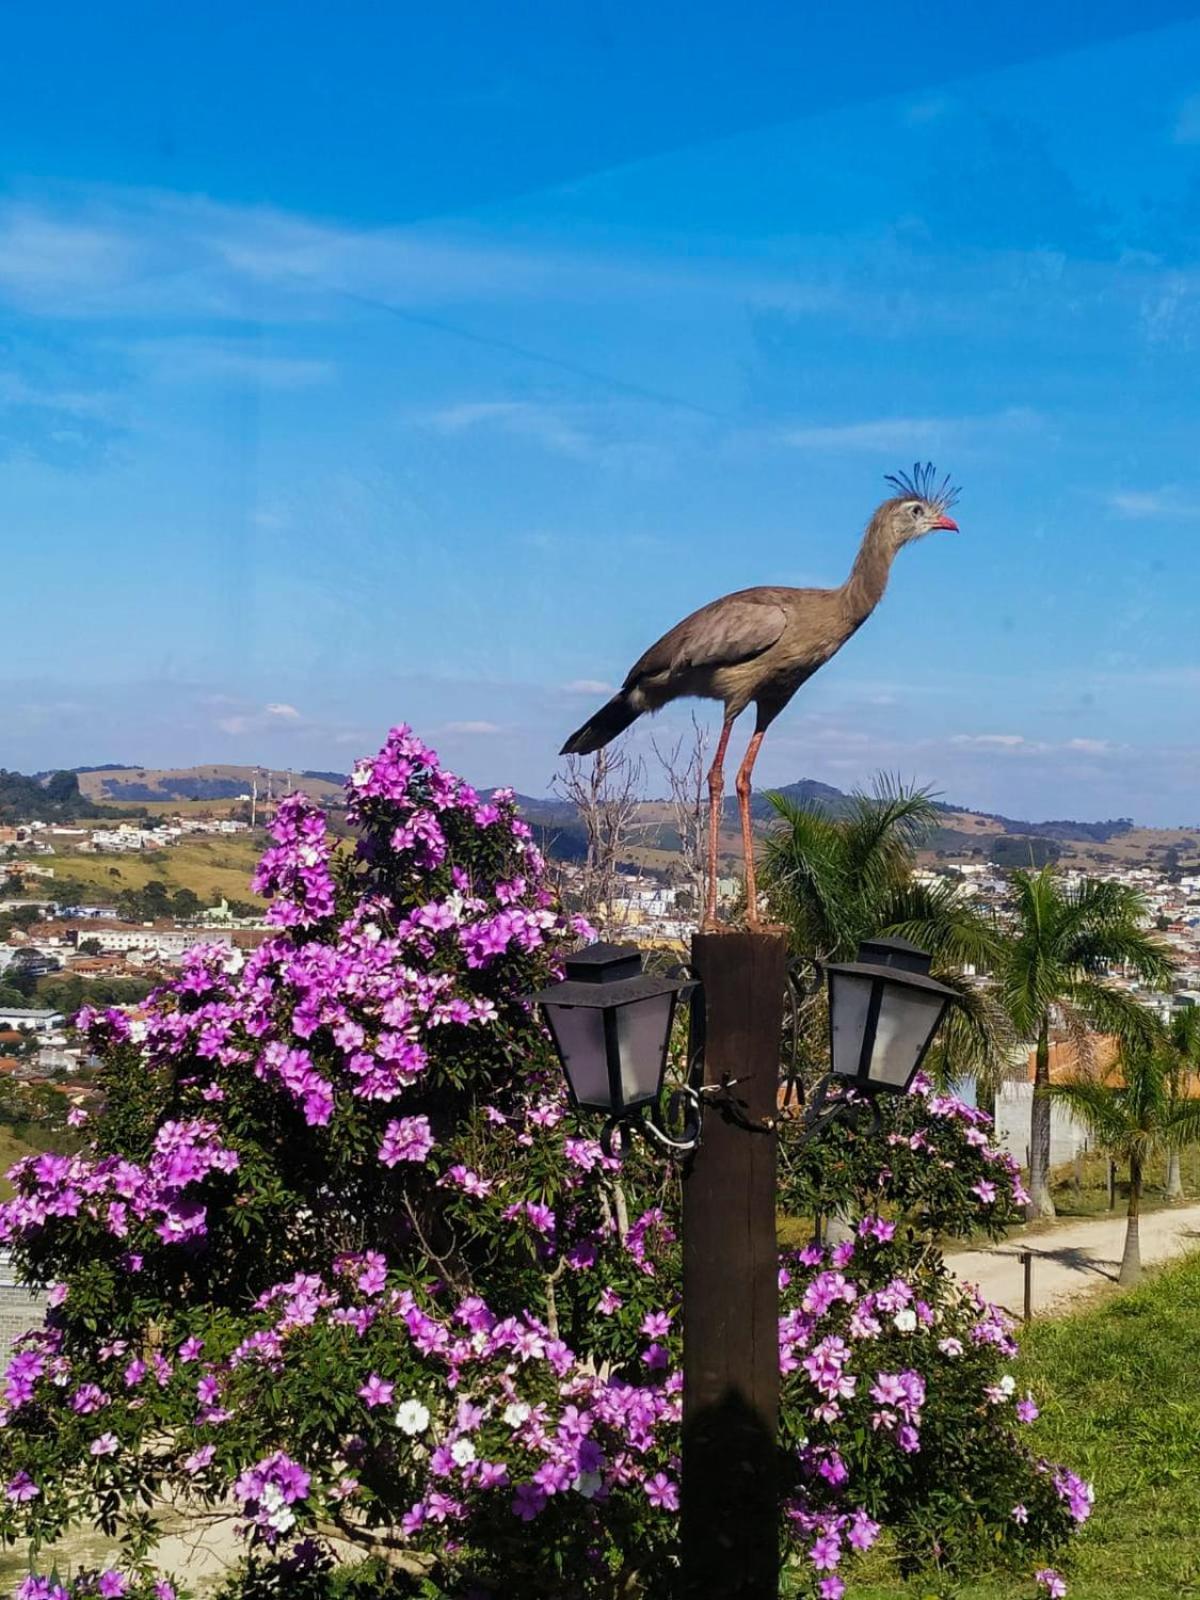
column 1073, row 1258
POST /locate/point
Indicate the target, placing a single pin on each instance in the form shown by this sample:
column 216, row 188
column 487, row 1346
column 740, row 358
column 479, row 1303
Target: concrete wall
column 19, row 1311
column 1014, row 1102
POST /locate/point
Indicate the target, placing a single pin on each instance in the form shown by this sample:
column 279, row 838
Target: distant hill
column 558, row 830
column 217, row 782
column 47, row 797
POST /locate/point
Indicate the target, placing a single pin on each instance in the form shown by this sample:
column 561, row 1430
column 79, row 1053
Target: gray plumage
column 759, row 645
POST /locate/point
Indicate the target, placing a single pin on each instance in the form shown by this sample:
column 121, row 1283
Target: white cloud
column 42, row 255
column 473, row 727
column 192, row 360
column 1091, row 747
column 269, row 716
column 997, row 741
column 587, row 686
column 548, row 426
column 1166, row 502
column 904, row 434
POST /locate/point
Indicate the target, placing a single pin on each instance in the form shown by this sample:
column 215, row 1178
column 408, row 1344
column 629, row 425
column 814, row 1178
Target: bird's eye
column 916, row 511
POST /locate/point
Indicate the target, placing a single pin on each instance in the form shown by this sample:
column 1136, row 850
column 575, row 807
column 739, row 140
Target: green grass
column 201, row 864
column 12, row 1150
column 1119, row 1387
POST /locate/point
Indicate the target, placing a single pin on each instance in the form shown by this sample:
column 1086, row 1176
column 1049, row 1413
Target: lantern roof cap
column 603, row 975
column 602, row 962
column 903, row 977
column 892, row 951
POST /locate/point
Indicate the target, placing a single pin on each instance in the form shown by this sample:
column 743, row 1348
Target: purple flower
column 111, row 1585
column 406, row 1139
column 985, row 1190
column 863, row 1532
column 1027, row 1410
column 199, row 1459
column 662, row 1492
column 377, row 1391
column 1053, row 1582
column 528, row 1501
column 87, row 1398
column 826, row 1553
column 22, row 1488
column 106, row 1445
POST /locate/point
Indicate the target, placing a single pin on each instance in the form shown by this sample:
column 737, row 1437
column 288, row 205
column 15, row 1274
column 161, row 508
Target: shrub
column 339, row 1253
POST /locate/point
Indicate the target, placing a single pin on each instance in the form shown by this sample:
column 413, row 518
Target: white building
column 35, row 1017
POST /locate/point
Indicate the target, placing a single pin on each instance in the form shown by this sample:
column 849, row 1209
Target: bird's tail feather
column 601, row 729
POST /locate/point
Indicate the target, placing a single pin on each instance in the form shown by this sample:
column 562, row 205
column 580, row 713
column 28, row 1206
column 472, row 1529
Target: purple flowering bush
column 340, row 1260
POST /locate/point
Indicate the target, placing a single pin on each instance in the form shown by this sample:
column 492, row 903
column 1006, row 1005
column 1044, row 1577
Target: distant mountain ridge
column 807, row 790
column 558, row 829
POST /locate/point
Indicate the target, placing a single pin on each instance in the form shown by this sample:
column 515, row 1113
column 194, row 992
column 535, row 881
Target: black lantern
column 884, row 1010
column 611, row 1025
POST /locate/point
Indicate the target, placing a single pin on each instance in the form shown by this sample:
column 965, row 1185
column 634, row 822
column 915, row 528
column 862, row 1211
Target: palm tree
column 836, row 879
column 1183, row 1062
column 1063, row 941
column 1132, row 1116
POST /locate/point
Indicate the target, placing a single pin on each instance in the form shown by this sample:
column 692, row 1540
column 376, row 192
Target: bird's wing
column 718, row 635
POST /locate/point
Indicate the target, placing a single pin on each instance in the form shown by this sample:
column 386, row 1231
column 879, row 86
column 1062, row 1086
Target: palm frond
column 1112, row 1010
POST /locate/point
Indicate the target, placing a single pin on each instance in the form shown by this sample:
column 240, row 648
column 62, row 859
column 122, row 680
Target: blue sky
column 358, row 366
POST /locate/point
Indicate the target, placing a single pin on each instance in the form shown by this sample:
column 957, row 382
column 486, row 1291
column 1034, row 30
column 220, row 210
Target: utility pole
column 729, row 1482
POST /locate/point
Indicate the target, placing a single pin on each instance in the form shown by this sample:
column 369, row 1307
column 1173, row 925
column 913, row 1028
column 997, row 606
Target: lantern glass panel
column 642, row 1028
column 579, row 1034
column 849, row 999
column 907, row 1018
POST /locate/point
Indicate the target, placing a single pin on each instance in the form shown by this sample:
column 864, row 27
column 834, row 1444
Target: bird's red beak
column 947, row 522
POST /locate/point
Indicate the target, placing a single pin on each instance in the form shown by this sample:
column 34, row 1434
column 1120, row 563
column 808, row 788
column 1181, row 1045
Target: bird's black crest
column 920, row 485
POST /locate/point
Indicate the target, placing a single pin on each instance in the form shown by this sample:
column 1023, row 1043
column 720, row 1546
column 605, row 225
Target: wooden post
column 730, row 1512
column 1112, row 1183
column 1027, row 1263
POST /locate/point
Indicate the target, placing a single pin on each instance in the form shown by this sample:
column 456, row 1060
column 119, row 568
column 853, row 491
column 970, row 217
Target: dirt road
column 1073, row 1258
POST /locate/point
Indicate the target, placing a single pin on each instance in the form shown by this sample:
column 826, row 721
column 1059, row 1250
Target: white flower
column 588, row 1484
column 516, row 1413
column 455, row 904
column 412, row 1417
column 462, row 1451
column 1008, row 1383
column 905, row 1321
column 137, row 1030
column 280, row 1515
column 233, row 962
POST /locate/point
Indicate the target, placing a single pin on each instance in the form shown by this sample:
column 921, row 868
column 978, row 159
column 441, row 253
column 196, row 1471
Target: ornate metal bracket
column 805, row 979
column 679, row 1134
column 861, row 1114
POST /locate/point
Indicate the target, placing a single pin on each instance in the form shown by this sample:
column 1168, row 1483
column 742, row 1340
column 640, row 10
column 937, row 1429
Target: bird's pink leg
column 716, row 794
column 743, row 794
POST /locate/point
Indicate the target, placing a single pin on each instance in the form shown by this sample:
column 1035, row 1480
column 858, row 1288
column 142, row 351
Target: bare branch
column 606, row 792
column 686, row 766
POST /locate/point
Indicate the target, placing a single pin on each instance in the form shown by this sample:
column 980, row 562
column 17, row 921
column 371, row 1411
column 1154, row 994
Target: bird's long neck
column 863, row 589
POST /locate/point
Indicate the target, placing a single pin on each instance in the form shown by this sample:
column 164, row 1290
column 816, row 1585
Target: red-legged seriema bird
column 760, row 645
